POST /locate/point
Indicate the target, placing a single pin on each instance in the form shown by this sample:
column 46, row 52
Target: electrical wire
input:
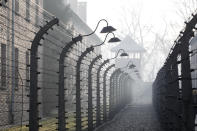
column 52, row 41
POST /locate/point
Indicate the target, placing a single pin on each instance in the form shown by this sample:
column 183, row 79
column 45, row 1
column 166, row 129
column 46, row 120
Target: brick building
column 18, row 27
column 17, row 23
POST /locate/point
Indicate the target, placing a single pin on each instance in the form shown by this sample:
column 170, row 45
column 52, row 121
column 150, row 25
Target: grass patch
column 49, row 125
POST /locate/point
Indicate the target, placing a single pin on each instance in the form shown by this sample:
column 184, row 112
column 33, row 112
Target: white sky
column 153, row 11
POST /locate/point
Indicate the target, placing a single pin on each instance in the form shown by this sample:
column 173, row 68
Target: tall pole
column 121, row 88
column 117, row 87
column 8, row 62
column 61, row 97
column 13, row 64
column 104, row 93
column 33, row 105
column 90, row 107
column 188, row 111
column 112, row 93
column 78, row 88
column 98, row 113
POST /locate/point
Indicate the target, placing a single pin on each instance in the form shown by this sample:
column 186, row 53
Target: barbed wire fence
column 32, row 41
column 174, row 89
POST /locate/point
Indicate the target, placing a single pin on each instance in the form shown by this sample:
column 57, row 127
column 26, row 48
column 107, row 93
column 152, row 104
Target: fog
column 141, row 93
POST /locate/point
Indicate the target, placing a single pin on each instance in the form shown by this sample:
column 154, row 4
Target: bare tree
column 134, row 26
column 141, row 32
column 185, row 8
column 157, row 43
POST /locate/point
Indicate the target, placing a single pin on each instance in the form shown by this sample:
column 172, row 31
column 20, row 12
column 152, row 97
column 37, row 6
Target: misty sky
column 156, row 13
column 152, row 11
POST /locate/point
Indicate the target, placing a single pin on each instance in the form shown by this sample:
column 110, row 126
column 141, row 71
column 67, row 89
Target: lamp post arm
column 104, row 39
column 96, row 27
column 117, row 54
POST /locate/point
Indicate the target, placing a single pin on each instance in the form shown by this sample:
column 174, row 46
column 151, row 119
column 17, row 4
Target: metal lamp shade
column 124, row 54
column 115, row 39
column 108, row 29
column 132, row 66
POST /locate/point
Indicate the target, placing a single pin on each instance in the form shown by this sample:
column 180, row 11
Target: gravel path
column 133, row 118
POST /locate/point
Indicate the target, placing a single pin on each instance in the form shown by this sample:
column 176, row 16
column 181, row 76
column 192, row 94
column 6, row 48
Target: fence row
column 52, row 80
column 174, row 89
